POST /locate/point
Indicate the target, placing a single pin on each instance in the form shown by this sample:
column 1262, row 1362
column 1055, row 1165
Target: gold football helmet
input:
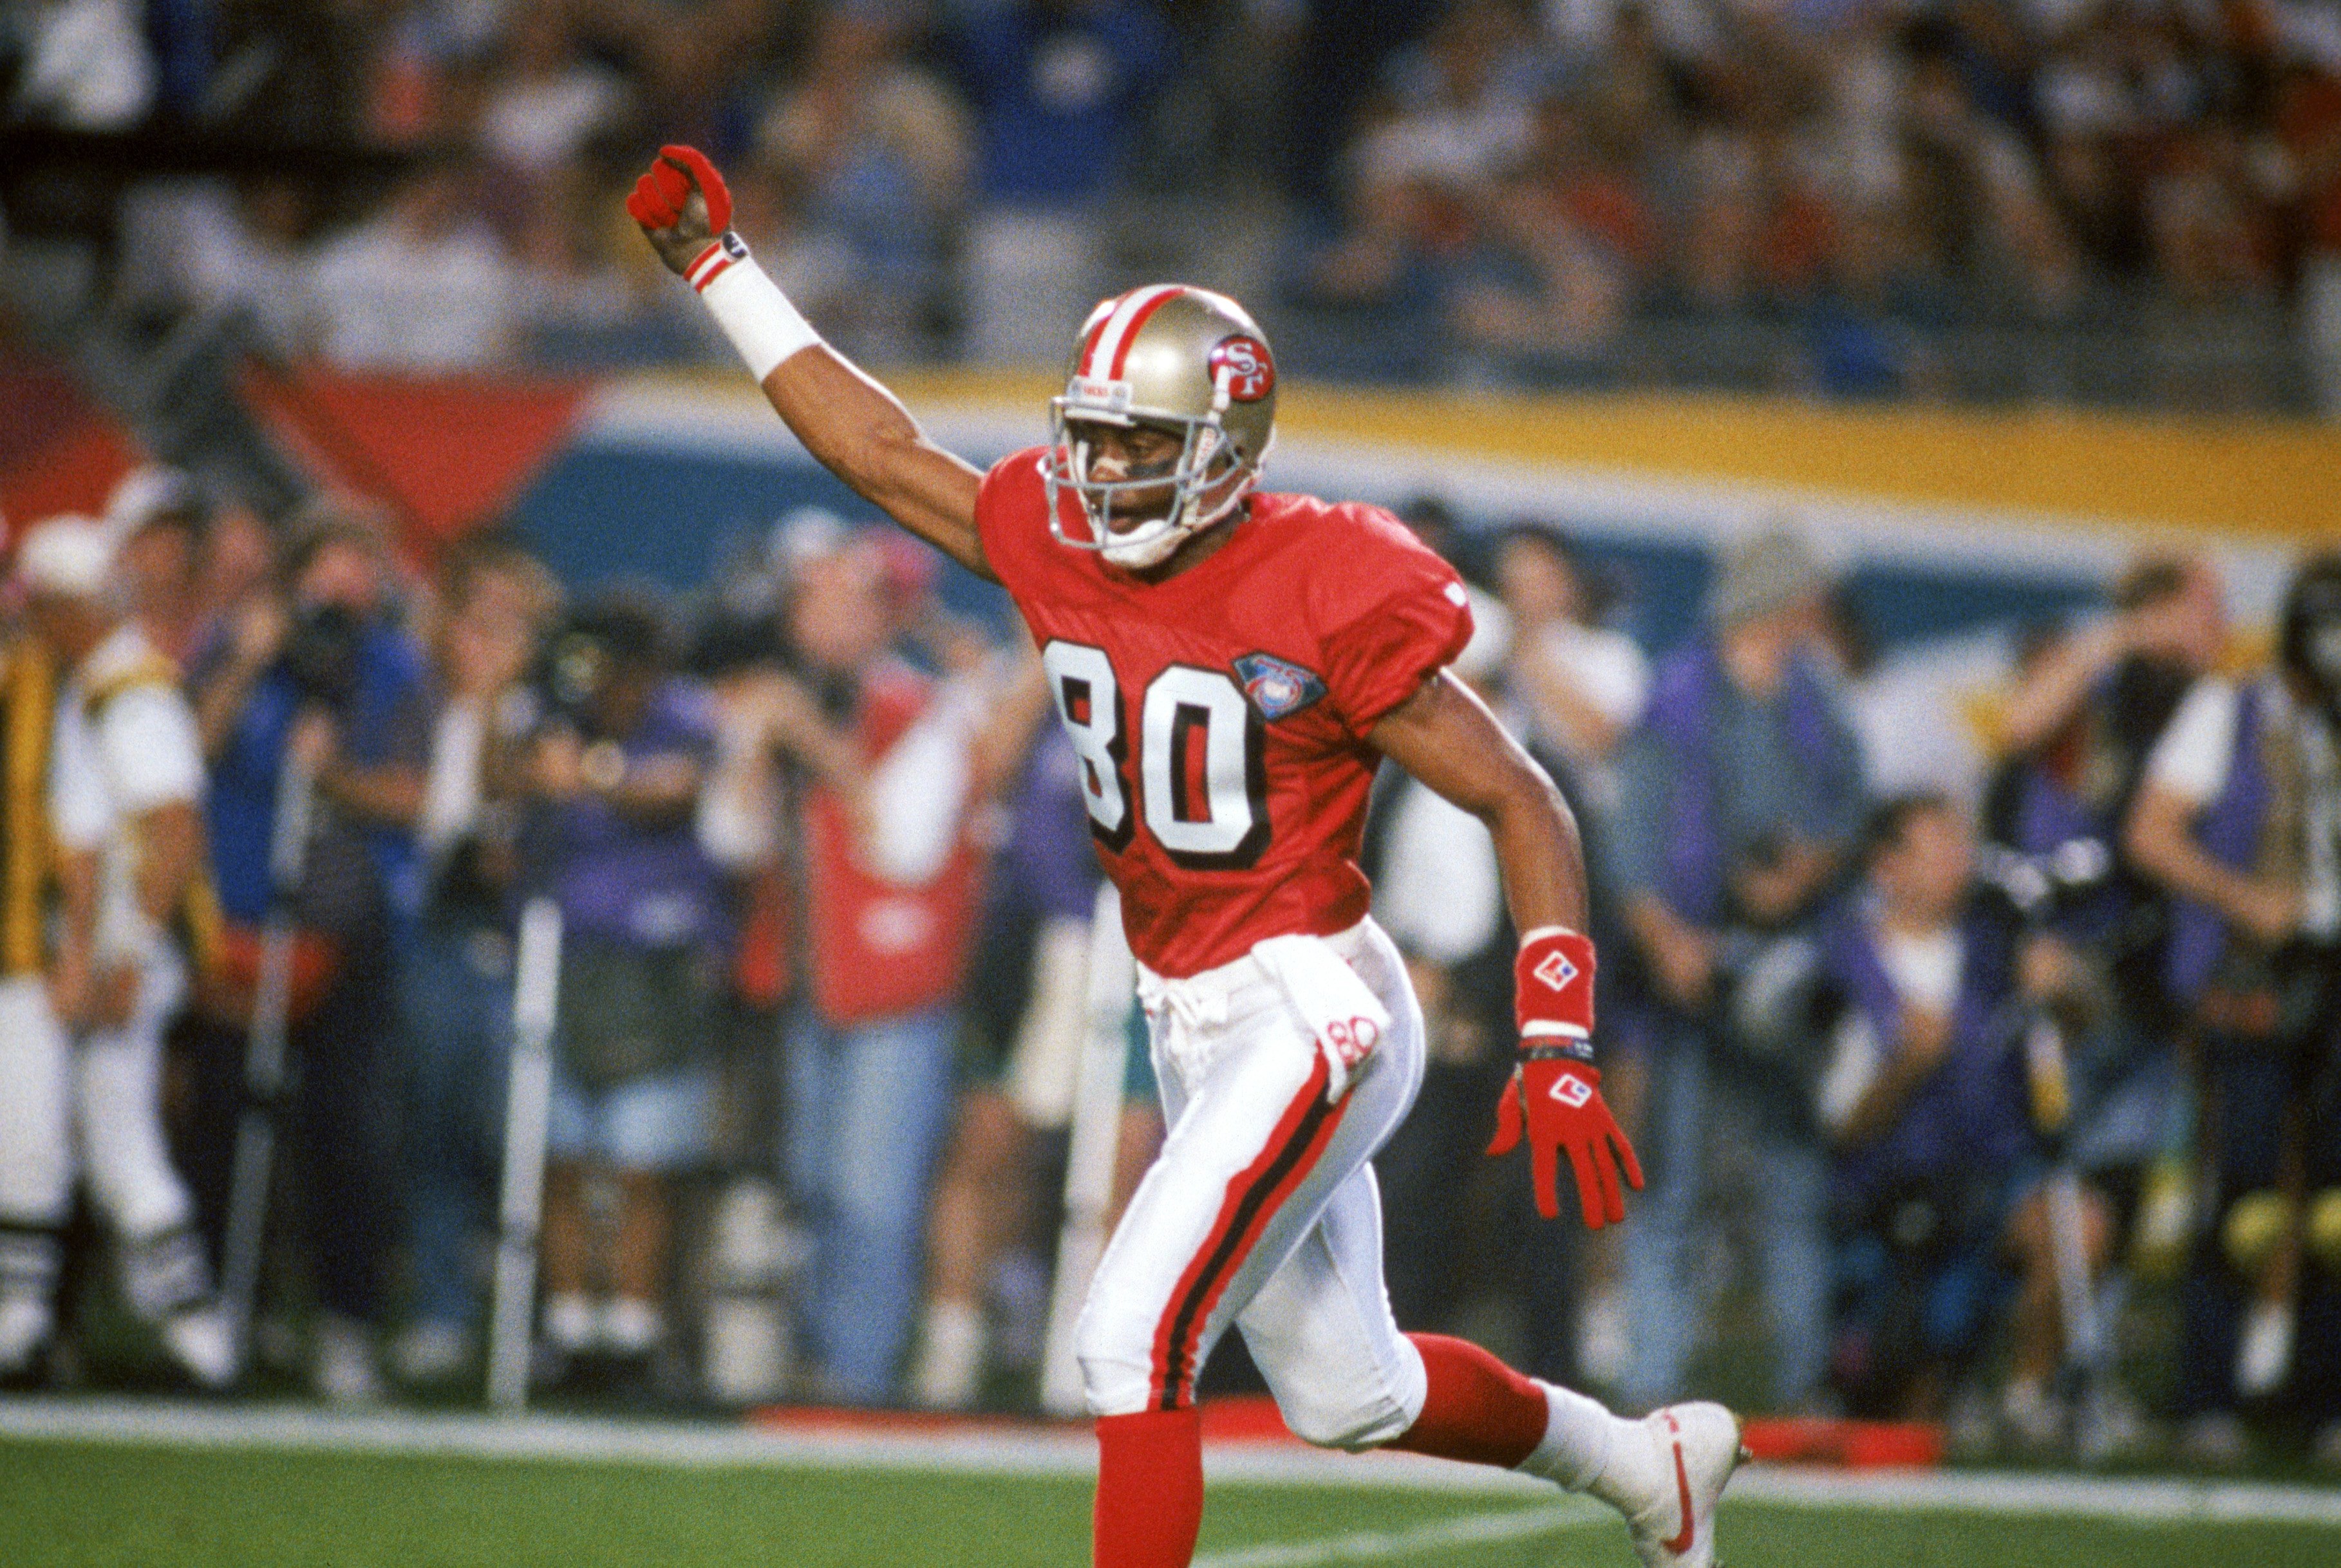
column 1187, row 361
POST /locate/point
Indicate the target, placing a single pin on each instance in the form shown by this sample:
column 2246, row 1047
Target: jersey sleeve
column 79, row 812
column 2197, row 749
column 1394, row 614
column 1010, row 513
column 151, row 753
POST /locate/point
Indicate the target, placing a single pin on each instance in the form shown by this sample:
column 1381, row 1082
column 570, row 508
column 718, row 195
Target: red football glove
column 1557, row 1102
column 1554, row 1099
column 659, row 196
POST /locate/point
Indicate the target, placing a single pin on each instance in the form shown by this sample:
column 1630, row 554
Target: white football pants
column 108, row 1090
column 119, row 1075
column 35, row 1152
column 1263, row 1210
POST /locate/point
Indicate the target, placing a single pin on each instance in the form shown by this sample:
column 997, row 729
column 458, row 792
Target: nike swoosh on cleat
column 1681, row 1544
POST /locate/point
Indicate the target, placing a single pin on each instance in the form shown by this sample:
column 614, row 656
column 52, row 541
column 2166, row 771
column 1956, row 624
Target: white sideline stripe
column 2129, row 1500
column 1072, row 1452
column 1381, row 1546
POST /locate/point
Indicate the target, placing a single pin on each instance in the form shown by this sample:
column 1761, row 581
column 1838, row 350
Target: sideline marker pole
column 536, row 986
column 246, row 1241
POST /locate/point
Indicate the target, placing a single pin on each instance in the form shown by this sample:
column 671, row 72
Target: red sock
column 1150, row 1493
column 1477, row 1410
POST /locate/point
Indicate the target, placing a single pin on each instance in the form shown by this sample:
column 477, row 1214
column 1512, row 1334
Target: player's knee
column 1117, row 1364
column 35, row 1171
column 36, row 1179
column 1348, row 1424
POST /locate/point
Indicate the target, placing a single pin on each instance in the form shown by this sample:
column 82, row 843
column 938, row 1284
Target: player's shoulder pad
column 1365, row 557
column 1014, row 480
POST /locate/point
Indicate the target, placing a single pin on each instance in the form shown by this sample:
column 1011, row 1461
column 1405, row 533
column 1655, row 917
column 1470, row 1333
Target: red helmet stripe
column 1085, row 362
column 1147, row 302
column 1107, row 352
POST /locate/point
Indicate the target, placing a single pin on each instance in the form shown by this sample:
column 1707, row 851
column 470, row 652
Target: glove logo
column 1556, row 971
column 1571, row 1091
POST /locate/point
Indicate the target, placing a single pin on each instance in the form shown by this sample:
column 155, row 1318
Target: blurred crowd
column 1983, row 1049
column 1537, row 178
column 1863, row 198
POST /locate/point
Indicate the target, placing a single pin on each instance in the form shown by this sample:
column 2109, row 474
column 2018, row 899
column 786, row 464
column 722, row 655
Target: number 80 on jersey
column 1202, row 758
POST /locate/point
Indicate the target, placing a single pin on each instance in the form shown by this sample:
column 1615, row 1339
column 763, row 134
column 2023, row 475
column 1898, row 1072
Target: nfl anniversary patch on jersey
column 1277, row 688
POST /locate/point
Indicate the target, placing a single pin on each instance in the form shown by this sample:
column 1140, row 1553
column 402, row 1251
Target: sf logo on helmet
column 1244, row 361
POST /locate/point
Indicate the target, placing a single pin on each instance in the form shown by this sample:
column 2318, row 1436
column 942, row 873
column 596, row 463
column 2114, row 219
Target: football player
column 125, row 789
column 1231, row 665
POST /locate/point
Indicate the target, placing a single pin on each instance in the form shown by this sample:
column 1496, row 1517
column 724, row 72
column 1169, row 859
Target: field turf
column 77, row 1503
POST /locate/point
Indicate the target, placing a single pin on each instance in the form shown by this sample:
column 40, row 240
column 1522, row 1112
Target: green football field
column 357, row 1496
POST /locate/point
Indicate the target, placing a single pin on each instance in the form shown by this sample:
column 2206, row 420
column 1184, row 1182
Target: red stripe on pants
column 1253, row 1197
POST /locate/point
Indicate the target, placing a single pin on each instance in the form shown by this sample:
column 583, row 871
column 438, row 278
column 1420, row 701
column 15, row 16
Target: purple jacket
column 645, row 887
column 1692, row 872
column 2230, row 832
column 1970, row 1114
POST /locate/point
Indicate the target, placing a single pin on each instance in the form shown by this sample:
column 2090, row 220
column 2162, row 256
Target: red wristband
column 1552, row 981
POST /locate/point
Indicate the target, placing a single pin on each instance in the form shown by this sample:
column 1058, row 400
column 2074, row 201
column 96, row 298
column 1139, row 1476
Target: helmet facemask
column 1168, row 358
column 1207, row 482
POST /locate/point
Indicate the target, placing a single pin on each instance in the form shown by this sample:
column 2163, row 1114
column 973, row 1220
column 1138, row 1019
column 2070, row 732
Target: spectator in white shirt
column 2238, row 820
column 1583, row 685
column 549, row 101
column 86, row 66
column 425, row 286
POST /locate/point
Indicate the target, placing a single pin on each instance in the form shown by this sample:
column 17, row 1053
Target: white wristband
column 749, row 307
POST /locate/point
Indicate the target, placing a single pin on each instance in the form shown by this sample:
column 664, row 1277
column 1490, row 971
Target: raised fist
column 682, row 205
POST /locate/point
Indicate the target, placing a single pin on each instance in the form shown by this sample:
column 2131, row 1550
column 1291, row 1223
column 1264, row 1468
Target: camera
column 588, row 654
column 324, row 653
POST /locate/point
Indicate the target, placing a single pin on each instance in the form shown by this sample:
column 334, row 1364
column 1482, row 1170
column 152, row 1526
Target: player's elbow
column 879, row 459
column 1524, row 793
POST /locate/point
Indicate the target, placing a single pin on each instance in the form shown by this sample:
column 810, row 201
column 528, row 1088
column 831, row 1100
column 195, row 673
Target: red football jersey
column 1220, row 714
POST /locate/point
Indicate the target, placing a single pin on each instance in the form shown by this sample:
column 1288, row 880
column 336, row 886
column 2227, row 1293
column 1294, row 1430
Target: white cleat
column 24, row 1325
column 200, row 1340
column 1698, row 1448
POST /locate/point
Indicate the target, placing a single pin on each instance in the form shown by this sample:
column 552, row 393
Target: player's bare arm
column 852, row 425
column 1445, row 736
column 171, row 851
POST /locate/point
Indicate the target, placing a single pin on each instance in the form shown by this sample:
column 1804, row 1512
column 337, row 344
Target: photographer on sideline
column 614, row 773
column 454, row 978
column 2239, row 821
column 1742, row 794
column 316, row 665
